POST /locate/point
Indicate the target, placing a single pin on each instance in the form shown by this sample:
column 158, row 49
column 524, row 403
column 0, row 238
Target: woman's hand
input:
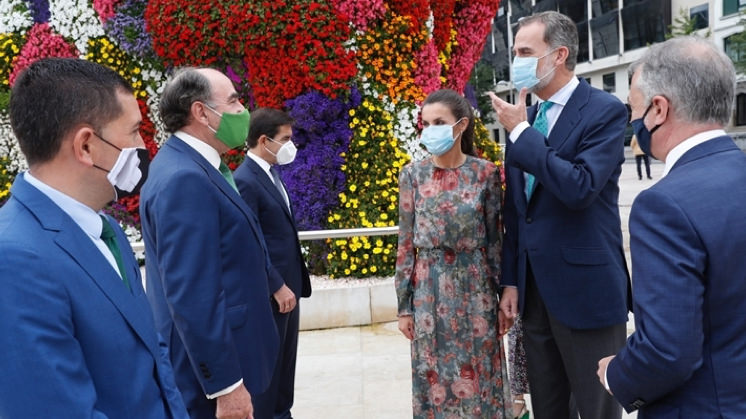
column 406, row 326
column 503, row 324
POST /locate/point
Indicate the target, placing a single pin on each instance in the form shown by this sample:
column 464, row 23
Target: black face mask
column 129, row 171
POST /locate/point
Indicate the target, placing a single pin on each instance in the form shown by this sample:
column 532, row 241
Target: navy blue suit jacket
column 570, row 230
column 207, row 267
column 76, row 342
column 280, row 233
column 687, row 356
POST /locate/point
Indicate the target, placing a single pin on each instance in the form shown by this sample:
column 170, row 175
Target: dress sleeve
column 493, row 217
column 405, row 257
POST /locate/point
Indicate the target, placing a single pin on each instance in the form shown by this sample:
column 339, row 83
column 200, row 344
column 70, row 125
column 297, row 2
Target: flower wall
column 352, row 73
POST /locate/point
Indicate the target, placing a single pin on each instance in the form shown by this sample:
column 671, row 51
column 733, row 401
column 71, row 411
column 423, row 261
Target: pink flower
column 479, row 326
column 41, row 42
column 428, row 189
column 446, row 286
column 425, row 322
column 463, row 388
column 437, row 394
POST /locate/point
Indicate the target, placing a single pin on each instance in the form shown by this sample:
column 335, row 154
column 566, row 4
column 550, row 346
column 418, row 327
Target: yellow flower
column 373, row 269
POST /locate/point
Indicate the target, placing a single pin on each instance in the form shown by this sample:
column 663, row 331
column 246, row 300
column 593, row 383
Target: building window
column 735, row 50
column 645, row 23
column 605, row 33
column 609, row 82
column 732, row 6
column 700, row 15
column 601, row 7
column 741, row 109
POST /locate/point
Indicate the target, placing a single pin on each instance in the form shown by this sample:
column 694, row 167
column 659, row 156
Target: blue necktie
column 541, row 124
column 110, row 238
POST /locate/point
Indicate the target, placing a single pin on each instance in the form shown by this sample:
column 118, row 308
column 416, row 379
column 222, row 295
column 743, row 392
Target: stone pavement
column 364, row 372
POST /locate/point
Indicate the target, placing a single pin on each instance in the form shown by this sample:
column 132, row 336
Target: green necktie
column 226, row 172
column 110, row 238
column 541, row 124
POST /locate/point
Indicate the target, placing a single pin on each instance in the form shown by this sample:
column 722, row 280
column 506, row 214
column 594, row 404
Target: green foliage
column 737, row 47
column 482, row 78
column 684, row 25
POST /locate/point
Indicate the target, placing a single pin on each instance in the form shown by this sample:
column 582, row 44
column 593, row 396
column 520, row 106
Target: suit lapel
column 269, row 185
column 76, row 243
column 570, row 115
column 215, row 177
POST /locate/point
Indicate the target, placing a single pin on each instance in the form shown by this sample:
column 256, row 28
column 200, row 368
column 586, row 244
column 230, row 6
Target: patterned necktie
column 226, row 172
column 541, row 124
column 110, row 238
column 278, row 184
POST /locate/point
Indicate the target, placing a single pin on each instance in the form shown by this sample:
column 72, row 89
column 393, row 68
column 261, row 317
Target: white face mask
column 129, row 171
column 286, row 153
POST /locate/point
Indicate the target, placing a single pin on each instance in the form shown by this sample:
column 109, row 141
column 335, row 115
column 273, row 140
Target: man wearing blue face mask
column 687, row 237
column 563, row 262
column 206, row 260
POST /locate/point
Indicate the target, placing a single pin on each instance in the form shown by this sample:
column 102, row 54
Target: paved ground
column 364, row 372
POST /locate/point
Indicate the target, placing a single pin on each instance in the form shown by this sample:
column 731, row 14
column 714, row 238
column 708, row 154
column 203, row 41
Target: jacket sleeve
column 669, row 286
column 405, row 256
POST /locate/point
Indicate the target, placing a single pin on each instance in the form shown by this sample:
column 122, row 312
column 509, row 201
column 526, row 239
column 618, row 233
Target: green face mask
column 234, row 127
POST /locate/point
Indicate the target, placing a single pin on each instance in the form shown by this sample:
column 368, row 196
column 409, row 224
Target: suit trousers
column 275, row 403
column 562, row 363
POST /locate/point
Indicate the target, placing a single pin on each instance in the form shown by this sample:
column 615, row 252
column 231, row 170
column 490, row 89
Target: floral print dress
column 447, row 273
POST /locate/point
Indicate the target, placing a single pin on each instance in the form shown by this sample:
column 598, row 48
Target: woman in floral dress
column 447, row 270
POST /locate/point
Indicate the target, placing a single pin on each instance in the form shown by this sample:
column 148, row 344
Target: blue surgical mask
column 644, row 136
column 438, row 139
column 524, row 71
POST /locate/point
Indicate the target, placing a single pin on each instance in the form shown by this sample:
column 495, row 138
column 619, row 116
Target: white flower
column 9, row 146
column 15, row 16
column 75, row 20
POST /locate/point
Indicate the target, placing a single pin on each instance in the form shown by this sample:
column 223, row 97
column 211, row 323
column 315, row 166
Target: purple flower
column 127, row 28
column 40, row 10
column 321, row 133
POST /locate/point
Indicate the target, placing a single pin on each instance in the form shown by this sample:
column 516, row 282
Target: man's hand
column 509, row 302
column 406, row 326
column 285, row 299
column 603, row 363
column 510, row 115
column 235, row 405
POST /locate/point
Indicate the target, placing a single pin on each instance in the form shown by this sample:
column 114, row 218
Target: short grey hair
column 186, row 86
column 693, row 74
column 559, row 31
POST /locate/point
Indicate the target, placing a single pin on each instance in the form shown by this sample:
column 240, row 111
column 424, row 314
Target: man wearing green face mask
column 206, row 260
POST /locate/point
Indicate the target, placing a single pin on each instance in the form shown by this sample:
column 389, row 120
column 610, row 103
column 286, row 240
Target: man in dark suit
column 687, row 237
column 206, row 260
column 270, row 143
column 78, row 339
column 563, row 238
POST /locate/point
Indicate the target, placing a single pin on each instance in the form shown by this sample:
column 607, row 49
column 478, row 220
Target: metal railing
column 320, row 234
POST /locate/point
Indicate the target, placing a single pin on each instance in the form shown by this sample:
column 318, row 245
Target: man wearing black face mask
column 77, row 336
column 687, row 238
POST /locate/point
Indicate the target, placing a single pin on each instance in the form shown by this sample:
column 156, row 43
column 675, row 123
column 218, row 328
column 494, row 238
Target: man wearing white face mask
column 563, row 263
column 270, row 143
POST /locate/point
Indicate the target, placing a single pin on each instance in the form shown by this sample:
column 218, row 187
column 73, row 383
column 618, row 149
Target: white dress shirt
column 266, row 166
column 675, row 154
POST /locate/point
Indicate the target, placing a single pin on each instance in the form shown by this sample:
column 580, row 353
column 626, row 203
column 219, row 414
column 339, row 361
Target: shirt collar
column 261, row 162
column 563, row 95
column 85, row 217
column 675, row 154
column 205, row 150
